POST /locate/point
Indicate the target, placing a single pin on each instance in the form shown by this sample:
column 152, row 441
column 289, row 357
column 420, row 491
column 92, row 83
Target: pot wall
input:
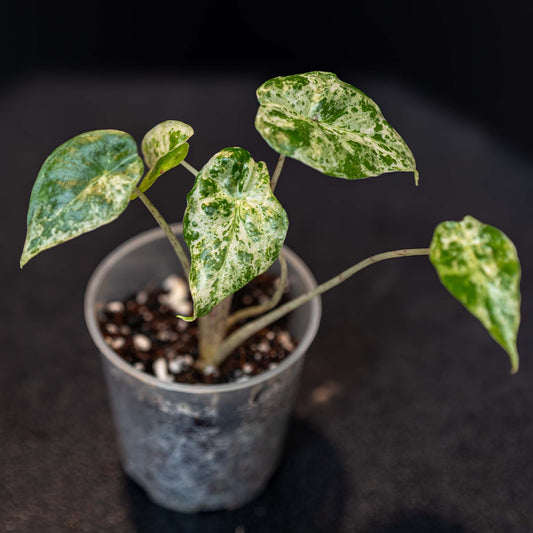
column 201, row 452
column 196, row 447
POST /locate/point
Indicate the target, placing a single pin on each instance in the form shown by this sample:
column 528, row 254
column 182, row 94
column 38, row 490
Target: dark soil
column 143, row 330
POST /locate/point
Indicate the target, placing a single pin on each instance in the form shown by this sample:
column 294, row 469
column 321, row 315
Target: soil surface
column 143, row 330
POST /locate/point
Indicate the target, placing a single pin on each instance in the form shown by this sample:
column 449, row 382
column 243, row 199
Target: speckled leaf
column 330, row 126
column 479, row 265
column 84, row 184
column 164, row 147
column 234, row 226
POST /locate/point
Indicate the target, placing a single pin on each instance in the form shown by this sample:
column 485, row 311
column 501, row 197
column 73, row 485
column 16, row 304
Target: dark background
column 425, row 429
column 474, row 56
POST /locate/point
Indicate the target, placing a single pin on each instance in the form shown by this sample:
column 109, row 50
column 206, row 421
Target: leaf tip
column 25, row 256
column 188, row 318
column 514, row 361
column 417, row 176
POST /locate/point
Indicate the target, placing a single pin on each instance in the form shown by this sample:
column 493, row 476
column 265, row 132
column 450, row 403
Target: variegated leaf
column 164, row 147
column 479, row 265
column 234, row 227
column 85, row 183
column 330, row 126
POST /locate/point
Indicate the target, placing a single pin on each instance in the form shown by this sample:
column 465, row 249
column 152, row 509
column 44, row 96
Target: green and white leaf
column 162, row 139
column 85, row 183
column 234, row 227
column 479, row 265
column 331, row 126
column 164, row 147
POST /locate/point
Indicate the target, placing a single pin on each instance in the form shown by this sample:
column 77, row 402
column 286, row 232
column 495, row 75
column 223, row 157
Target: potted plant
column 201, row 402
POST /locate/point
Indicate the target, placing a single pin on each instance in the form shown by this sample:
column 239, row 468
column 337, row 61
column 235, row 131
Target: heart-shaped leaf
column 234, row 227
column 164, row 147
column 85, row 183
column 330, row 126
column 479, row 265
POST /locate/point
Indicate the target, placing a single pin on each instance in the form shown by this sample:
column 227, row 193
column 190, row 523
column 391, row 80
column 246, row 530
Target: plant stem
column 277, row 172
column 212, row 330
column 190, row 168
column 256, row 310
column 239, row 336
column 180, row 252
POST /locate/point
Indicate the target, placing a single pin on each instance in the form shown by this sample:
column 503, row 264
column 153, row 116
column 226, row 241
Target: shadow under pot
column 196, row 447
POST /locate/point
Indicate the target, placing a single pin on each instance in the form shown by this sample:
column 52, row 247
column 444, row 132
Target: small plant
column 234, row 225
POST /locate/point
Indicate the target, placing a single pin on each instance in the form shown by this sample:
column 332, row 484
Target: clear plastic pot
column 196, row 447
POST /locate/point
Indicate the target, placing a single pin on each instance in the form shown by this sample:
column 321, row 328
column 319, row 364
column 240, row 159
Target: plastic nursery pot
column 196, row 447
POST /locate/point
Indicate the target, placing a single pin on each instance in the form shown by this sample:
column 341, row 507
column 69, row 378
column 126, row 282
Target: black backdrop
column 428, row 432
column 471, row 55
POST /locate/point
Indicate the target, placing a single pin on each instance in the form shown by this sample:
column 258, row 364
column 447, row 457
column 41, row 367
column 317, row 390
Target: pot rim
column 145, row 237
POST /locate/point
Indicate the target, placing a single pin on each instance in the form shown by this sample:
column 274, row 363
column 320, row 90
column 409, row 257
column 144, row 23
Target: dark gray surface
column 427, row 430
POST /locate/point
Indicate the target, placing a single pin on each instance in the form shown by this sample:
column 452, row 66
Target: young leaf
column 479, row 265
column 233, row 225
column 84, row 184
column 164, row 147
column 330, row 126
